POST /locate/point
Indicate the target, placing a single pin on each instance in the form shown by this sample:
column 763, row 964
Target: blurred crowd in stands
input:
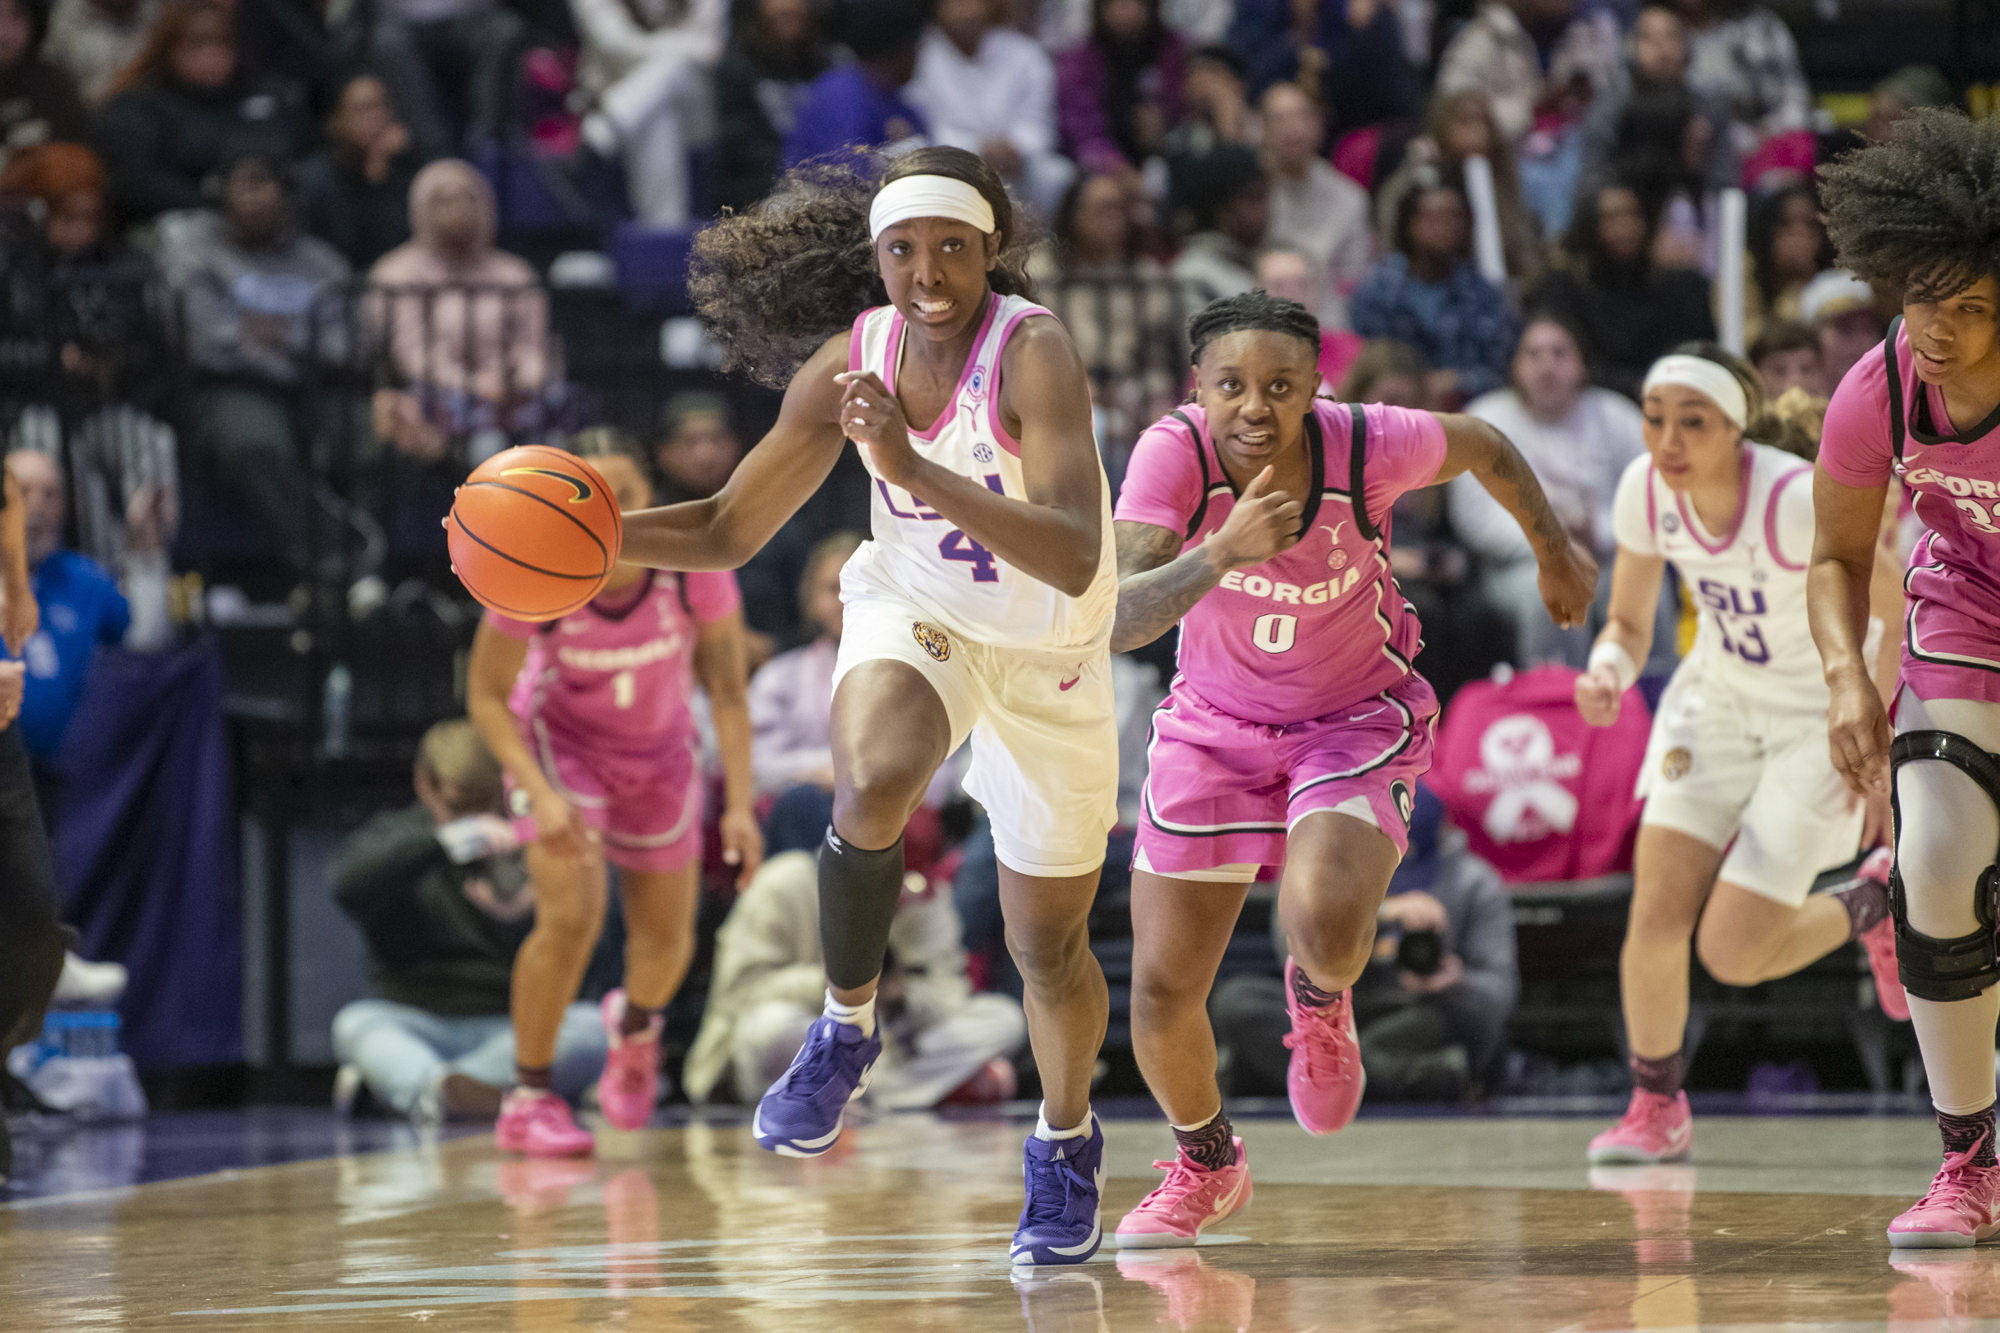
column 275, row 273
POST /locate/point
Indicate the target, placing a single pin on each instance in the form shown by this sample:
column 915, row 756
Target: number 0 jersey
column 918, row 554
column 1323, row 625
column 1749, row 584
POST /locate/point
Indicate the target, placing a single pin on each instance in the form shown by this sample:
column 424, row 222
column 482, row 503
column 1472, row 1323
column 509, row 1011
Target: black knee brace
column 1954, row 969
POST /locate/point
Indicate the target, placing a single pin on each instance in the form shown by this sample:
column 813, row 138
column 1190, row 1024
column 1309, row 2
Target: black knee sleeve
column 858, row 891
column 1961, row 968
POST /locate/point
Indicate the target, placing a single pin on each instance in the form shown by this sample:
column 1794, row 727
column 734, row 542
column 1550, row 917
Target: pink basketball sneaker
column 1325, row 1079
column 1186, row 1203
column 1655, row 1129
column 538, row 1123
column 630, row 1087
column 1880, row 942
column 1958, row 1211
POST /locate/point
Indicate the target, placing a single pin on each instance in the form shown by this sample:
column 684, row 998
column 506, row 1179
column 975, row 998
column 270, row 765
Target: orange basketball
column 534, row 532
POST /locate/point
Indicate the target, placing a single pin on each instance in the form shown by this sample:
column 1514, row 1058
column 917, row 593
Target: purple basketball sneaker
column 1059, row 1221
column 800, row 1115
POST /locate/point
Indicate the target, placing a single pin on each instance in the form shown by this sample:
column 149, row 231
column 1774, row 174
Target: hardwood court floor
column 1490, row 1225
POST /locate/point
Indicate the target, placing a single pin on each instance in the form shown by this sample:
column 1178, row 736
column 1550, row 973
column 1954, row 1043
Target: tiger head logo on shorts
column 933, row 640
column 1677, row 763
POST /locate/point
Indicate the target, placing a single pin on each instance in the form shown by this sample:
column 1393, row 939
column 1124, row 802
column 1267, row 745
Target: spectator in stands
column 1119, row 93
column 1428, row 294
column 1218, row 107
column 776, row 50
column 1787, row 356
column 318, row 48
column 1061, row 24
column 1529, row 55
column 1433, row 1004
column 862, row 104
column 1119, row 306
column 466, row 323
column 354, row 192
column 698, row 447
column 441, row 896
column 1788, row 249
column 1578, row 440
column 1902, row 92
column 1844, row 314
column 1651, row 123
column 991, row 90
column 460, row 88
column 184, row 108
column 791, row 699
column 1314, row 208
column 1227, row 200
column 1461, row 126
column 95, row 39
column 38, row 100
column 938, row 1037
column 1630, row 310
column 1290, row 275
column 1359, row 63
column 261, row 313
column 649, row 68
column 1743, row 54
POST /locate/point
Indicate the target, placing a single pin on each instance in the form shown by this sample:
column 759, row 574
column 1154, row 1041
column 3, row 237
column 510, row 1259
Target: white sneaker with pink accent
column 1958, row 1211
column 1656, row 1128
column 1188, row 1202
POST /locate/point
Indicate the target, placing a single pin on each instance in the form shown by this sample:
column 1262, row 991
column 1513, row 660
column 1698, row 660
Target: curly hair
column 1782, row 429
column 772, row 284
column 1257, row 310
column 1919, row 214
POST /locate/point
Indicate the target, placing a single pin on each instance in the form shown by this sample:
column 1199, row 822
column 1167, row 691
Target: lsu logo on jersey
column 932, row 640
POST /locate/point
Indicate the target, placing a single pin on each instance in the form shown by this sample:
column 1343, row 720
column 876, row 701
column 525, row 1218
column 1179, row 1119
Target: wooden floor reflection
column 695, row 1229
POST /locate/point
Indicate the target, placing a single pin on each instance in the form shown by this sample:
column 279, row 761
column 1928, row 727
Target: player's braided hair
column 1783, row 428
column 775, row 282
column 1920, row 213
column 1251, row 310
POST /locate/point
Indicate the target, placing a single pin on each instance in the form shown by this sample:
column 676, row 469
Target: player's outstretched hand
column 559, row 827
column 870, row 415
column 742, row 844
column 1858, row 735
column 1263, row 524
column 1598, row 695
column 1568, row 585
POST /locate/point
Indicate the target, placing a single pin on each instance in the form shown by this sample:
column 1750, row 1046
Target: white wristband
column 1620, row 662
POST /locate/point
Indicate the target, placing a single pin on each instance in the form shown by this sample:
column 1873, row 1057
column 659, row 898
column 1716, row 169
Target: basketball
column 534, row 532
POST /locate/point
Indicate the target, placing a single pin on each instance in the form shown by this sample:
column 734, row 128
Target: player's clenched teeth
column 934, row 307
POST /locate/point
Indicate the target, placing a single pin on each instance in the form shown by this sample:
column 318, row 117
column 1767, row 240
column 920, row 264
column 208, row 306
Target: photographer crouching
column 1432, row 1005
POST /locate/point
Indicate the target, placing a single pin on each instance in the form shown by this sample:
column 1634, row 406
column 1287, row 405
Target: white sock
column 1048, row 1134
column 600, row 134
column 1199, row 1124
column 854, row 1015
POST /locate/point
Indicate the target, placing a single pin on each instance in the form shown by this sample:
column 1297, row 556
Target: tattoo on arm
column 1155, row 589
column 1529, row 503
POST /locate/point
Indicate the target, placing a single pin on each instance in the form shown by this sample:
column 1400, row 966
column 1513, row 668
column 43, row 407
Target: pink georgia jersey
column 1323, row 625
column 619, row 681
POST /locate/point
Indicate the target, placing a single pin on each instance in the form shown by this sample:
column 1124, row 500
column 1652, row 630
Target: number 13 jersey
column 917, row 553
column 1748, row 585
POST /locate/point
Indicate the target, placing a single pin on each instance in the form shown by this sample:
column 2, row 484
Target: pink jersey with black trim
column 1749, row 583
column 1322, row 626
column 1951, row 644
column 915, row 551
column 618, row 679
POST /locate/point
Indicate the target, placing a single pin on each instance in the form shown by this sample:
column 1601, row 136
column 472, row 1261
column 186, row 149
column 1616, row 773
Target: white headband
column 909, row 197
column 1705, row 377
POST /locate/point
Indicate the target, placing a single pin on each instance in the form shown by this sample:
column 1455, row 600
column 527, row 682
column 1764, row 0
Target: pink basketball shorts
column 646, row 808
column 1222, row 793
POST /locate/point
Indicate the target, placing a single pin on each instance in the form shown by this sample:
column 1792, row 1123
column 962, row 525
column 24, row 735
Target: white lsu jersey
column 1748, row 584
column 917, row 554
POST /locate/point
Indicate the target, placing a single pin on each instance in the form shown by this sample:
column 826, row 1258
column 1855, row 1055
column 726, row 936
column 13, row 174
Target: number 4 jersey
column 916, row 553
column 1322, row 626
column 1748, row 584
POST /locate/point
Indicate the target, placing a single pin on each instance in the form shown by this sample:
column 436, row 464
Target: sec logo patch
column 933, row 641
column 1676, row 764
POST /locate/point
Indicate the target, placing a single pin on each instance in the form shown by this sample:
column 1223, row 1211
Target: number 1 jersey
column 1749, row 584
column 916, row 551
